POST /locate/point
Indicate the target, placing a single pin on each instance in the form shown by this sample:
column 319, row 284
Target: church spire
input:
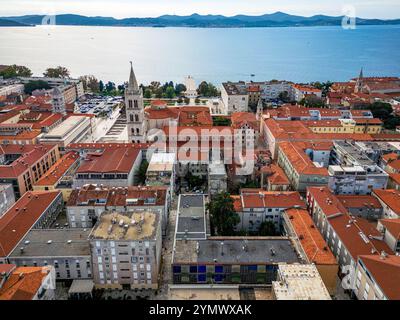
column 132, row 80
column 361, row 76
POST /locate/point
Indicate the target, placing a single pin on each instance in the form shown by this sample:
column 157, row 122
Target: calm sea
column 297, row 54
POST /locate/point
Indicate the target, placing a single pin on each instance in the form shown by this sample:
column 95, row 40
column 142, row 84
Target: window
column 219, row 269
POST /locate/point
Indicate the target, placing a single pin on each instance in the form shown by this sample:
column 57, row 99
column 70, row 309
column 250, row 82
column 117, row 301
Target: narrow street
column 168, row 244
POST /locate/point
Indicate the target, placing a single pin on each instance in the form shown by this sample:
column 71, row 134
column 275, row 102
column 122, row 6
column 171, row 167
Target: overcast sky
column 153, row 8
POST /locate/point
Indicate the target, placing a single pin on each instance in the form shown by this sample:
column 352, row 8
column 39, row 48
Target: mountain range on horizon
column 277, row 19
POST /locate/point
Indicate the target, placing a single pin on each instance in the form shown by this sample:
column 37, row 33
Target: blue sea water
column 298, row 54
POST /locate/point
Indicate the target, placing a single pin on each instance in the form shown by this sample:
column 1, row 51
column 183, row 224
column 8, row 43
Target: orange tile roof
column 327, row 201
column 30, row 154
column 395, row 178
column 110, row 160
column 322, row 123
column 23, row 283
column 306, row 88
column 390, row 197
column 24, row 135
column 394, row 164
column 57, row 171
column 116, row 196
column 237, row 203
column 310, row 238
column 359, row 201
column 275, row 175
column 296, row 131
column 386, row 272
column 256, row 198
column 21, row 217
column 239, row 119
column 393, row 226
column 390, row 157
column 359, row 236
column 386, row 137
column 300, row 161
column 367, row 121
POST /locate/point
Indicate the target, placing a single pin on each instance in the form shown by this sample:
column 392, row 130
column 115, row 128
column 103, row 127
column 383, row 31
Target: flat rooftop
column 203, row 292
column 54, row 243
column 191, row 219
column 264, row 250
column 65, row 127
column 137, row 225
column 355, row 153
column 216, row 168
column 299, row 282
column 161, row 162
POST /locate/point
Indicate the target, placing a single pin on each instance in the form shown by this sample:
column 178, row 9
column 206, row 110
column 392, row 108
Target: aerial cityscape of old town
column 267, row 190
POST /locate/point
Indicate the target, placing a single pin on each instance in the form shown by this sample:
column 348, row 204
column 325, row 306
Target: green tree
column 36, row 85
column 312, row 102
column 203, row 88
column 147, row 93
column 14, row 71
column 284, row 97
column 142, row 172
column 223, row 215
column 193, row 181
column 267, row 228
column 170, row 92
column 58, row 72
column 221, row 121
column 158, row 93
column 90, row 83
column 187, row 100
column 179, row 88
column 101, row 86
column 110, row 86
column 381, row 110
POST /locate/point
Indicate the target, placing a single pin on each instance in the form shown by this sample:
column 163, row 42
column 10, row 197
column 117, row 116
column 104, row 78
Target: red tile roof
column 359, row 236
column 300, row 160
column 310, row 238
column 21, row 217
column 110, row 160
column 30, row 154
column 23, row 283
column 57, row 171
column 390, row 197
column 275, row 175
column 359, row 201
column 393, row 226
column 242, row 118
column 257, row 198
column 386, row 272
column 327, row 201
column 117, row 196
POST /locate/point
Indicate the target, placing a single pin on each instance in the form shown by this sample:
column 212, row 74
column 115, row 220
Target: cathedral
column 134, row 107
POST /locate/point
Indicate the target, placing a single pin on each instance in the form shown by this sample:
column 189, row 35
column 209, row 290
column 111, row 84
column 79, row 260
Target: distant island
column 277, row 19
column 11, row 23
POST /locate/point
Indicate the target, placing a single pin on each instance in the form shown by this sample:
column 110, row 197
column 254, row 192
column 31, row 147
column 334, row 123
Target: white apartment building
column 356, row 179
column 235, row 97
column 71, row 130
column 126, row 250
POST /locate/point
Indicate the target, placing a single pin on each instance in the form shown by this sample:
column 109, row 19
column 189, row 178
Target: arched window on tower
column 130, row 104
column 137, row 131
column 131, row 117
column 136, row 118
column 135, row 102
